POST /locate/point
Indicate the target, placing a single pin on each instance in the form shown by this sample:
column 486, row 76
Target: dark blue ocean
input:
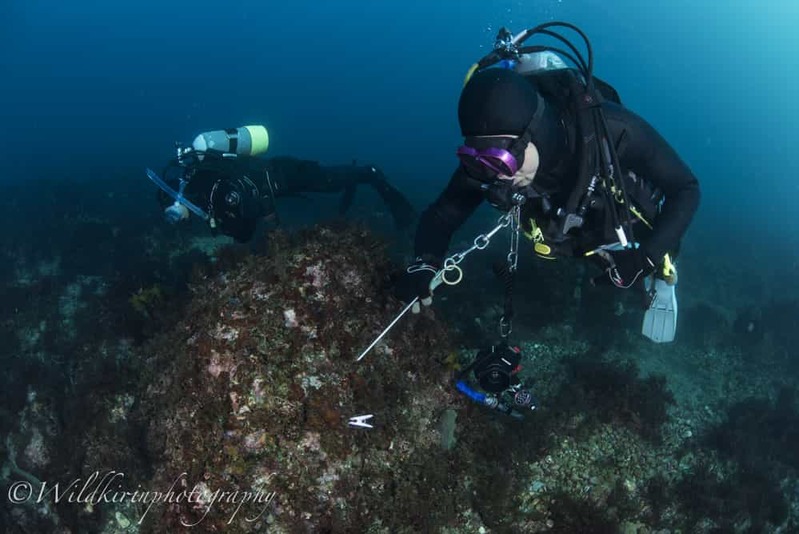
column 93, row 93
column 90, row 89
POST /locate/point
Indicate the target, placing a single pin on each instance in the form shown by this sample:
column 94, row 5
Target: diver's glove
column 623, row 268
column 418, row 280
column 175, row 213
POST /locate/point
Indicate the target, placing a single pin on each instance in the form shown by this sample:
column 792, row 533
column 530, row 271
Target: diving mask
column 488, row 159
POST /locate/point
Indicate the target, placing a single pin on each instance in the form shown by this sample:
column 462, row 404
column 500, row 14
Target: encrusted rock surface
column 254, row 390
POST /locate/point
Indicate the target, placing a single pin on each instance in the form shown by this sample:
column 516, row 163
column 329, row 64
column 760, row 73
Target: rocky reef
column 225, row 406
column 249, row 396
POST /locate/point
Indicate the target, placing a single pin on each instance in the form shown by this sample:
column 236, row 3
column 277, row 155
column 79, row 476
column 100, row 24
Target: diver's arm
column 648, row 154
column 444, row 216
column 197, row 187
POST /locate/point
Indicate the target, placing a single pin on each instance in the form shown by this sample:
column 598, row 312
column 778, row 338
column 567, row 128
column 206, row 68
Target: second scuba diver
column 220, row 179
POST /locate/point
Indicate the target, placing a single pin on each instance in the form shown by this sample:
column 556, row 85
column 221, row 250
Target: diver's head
column 508, row 128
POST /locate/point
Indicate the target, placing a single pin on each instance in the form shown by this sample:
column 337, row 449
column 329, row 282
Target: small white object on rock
column 122, row 521
column 290, row 317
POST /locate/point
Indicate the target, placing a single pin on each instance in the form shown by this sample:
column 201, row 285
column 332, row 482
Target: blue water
column 104, row 88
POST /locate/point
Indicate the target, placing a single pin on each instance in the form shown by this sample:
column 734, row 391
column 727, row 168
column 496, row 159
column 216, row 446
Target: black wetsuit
column 262, row 180
column 641, row 151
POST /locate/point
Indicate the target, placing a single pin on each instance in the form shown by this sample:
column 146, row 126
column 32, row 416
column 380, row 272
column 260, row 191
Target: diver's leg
column 401, row 209
column 295, row 176
column 352, row 175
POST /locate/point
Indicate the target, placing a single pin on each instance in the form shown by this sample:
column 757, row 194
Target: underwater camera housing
column 495, row 367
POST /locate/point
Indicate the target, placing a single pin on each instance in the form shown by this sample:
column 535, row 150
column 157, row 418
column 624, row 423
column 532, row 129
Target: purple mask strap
column 504, row 156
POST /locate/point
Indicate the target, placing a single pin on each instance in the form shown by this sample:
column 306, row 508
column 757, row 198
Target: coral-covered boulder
column 246, row 408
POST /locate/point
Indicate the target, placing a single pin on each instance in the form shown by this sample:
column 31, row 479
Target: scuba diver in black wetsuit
column 554, row 150
column 220, row 179
column 582, row 175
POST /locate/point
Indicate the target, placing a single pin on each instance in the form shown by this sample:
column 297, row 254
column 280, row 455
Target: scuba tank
column 534, row 62
column 243, row 141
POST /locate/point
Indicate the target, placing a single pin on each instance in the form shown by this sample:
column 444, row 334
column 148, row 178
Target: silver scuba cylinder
column 539, row 61
column 243, row 141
